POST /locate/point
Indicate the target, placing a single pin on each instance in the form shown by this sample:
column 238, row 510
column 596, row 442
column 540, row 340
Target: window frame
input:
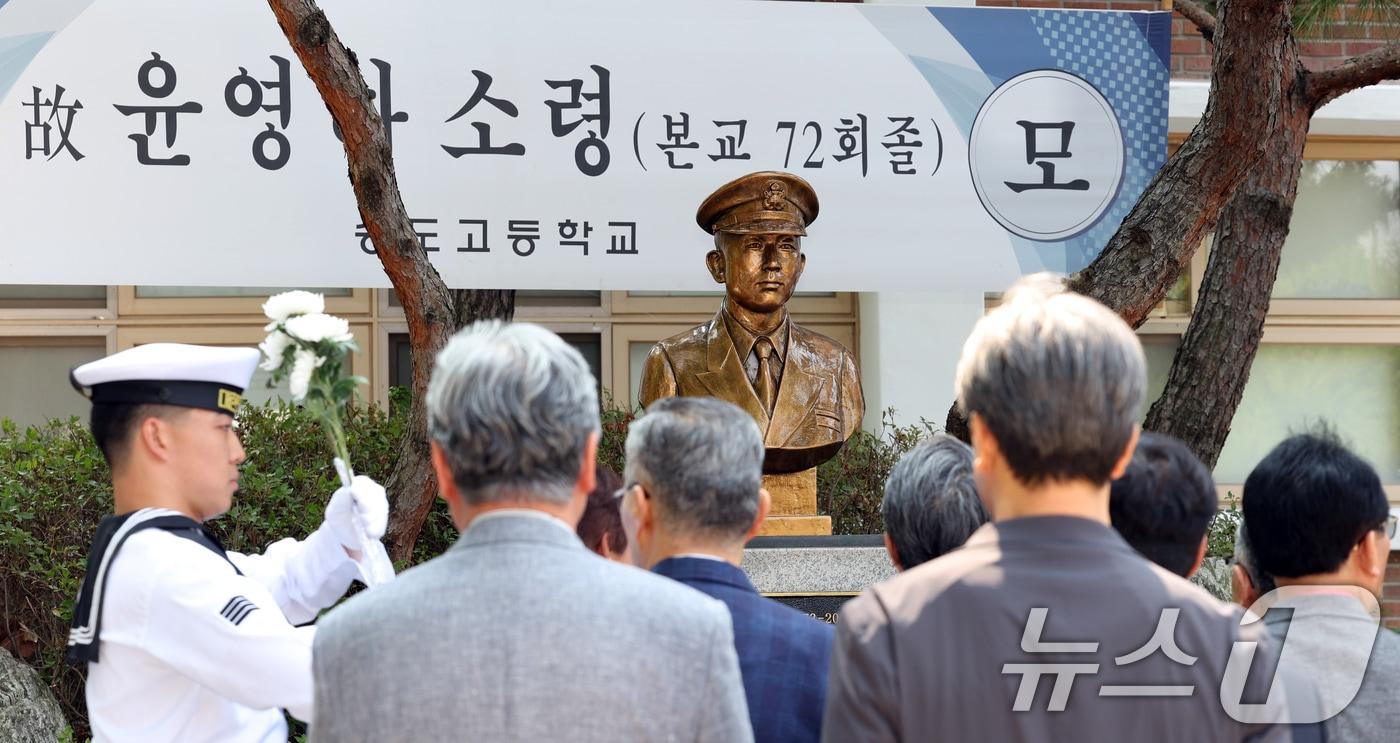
column 108, row 311
column 386, row 328
column 56, row 336
column 566, row 313
column 358, row 303
column 1323, row 147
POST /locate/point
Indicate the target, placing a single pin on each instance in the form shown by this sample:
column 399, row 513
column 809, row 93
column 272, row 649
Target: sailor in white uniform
column 182, row 640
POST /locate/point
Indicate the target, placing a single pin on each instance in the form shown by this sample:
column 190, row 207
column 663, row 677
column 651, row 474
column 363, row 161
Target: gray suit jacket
column 519, row 633
column 925, row 655
column 1329, row 638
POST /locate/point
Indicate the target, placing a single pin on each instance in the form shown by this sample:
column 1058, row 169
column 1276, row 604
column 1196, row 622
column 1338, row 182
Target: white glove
column 360, row 508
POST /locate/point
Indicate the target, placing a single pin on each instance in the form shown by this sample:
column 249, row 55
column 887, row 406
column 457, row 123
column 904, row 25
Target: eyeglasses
column 622, row 491
column 1388, row 526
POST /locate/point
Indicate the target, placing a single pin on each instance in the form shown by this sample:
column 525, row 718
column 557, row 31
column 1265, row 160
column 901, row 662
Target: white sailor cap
column 208, row 377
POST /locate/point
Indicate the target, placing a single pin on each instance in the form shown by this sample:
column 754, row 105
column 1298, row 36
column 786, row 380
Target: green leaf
column 1319, row 18
column 343, row 389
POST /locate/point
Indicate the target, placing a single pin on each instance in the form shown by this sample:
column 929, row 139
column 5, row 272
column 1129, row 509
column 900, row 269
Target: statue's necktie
column 764, row 385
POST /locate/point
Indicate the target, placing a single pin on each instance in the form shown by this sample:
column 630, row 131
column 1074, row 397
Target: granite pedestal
column 819, row 574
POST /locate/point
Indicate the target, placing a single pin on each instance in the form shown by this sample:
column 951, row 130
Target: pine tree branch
column 1368, row 69
column 1197, row 14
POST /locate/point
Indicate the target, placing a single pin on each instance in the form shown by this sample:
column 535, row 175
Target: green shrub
column 614, row 438
column 851, row 485
column 1220, row 538
column 53, row 491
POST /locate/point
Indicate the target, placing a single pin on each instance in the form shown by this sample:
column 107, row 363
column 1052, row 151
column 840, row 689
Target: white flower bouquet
column 311, row 350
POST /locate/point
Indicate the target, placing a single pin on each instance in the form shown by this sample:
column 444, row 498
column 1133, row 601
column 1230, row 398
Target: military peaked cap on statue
column 766, row 202
column 206, row 377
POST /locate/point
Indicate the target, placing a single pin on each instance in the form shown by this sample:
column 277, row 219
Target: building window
column 190, row 292
column 1355, row 388
column 1160, row 350
column 49, row 296
column 589, row 345
column 636, row 359
column 36, row 370
column 183, row 301
column 1344, row 240
column 537, row 298
column 260, row 393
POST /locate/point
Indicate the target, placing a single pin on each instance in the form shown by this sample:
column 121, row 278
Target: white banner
column 566, row 145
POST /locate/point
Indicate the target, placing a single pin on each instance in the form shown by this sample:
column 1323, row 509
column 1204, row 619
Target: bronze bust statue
column 801, row 386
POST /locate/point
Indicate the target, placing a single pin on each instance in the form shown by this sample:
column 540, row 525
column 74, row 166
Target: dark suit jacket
column 924, row 655
column 819, row 403
column 783, row 653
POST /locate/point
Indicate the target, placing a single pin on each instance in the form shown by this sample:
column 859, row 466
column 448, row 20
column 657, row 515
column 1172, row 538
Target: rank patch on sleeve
column 237, row 609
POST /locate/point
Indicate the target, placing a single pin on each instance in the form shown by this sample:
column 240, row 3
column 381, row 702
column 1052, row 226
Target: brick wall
column 1390, row 595
column 1351, row 33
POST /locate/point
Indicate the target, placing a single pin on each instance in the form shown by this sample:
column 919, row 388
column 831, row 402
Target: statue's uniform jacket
column 819, row 402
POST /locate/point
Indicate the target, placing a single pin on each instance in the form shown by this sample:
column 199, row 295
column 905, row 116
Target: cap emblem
column 773, row 198
column 228, row 400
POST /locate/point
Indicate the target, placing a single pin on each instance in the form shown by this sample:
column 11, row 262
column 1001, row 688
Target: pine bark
column 1212, row 365
column 484, row 304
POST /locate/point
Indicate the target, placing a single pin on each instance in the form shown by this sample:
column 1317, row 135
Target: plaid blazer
column 783, row 653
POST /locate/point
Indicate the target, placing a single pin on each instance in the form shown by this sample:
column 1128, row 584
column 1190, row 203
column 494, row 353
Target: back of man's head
column 700, row 460
column 1308, row 503
column 512, row 406
column 600, row 527
column 1164, row 503
column 1057, row 378
column 931, row 504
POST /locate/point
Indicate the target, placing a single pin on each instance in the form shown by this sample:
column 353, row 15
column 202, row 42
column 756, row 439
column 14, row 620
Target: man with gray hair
column 694, row 465
column 931, row 504
column 1247, row 582
column 1046, row 625
column 519, row 632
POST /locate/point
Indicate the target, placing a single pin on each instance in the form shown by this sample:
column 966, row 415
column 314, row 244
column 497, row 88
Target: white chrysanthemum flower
column 304, row 362
column 273, row 348
column 318, row 327
column 280, row 307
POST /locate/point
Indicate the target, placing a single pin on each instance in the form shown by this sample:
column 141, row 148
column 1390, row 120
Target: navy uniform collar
column 687, row 569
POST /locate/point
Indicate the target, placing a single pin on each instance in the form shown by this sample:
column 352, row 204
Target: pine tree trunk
column 427, row 303
column 1212, row 365
column 484, row 304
